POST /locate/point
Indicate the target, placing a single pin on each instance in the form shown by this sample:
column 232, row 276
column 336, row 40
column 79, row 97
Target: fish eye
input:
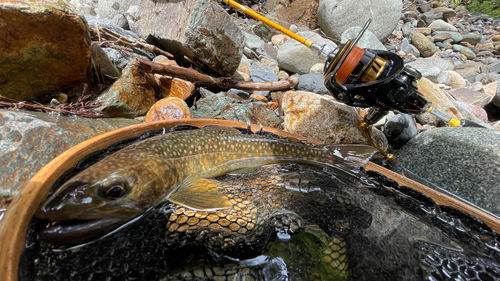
column 115, row 190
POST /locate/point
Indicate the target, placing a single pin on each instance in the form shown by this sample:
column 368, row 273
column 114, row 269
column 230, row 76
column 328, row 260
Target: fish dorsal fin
column 200, row 194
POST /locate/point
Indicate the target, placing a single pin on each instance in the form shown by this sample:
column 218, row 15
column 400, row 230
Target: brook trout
column 178, row 167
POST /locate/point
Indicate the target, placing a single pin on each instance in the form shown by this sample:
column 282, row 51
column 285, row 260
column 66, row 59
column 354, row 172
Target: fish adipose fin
column 200, row 194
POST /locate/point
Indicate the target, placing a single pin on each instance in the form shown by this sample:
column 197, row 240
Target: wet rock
column 313, row 82
column 102, row 64
column 335, row 16
column 175, row 87
column 325, row 120
column 424, row 45
column 462, row 161
column 110, row 8
column 168, row 108
column 220, row 106
column 439, row 100
column 367, row 41
column 129, row 96
column 291, row 50
column 45, row 46
column 400, row 129
column 184, row 29
column 29, row 140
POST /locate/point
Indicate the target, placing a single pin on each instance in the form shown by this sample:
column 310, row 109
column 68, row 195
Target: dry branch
column 194, row 76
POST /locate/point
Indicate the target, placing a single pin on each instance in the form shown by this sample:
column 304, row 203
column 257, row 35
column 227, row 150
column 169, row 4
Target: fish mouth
column 73, row 232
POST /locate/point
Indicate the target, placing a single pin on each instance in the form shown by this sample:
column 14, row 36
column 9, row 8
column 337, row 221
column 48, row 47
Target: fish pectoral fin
column 200, row 194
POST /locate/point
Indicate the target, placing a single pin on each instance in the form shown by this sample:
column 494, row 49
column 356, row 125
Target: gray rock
column 455, row 36
column 336, row 16
column 253, row 42
column 432, row 73
column 440, row 25
column 408, row 30
column 121, row 21
column 472, row 112
column 312, row 82
column 426, row 63
column 30, row 140
column 468, row 53
column 184, row 29
column 470, row 69
column 367, row 41
column 97, row 21
column 121, row 58
column 494, row 66
column 427, row 17
column 257, row 67
column 263, row 76
column 400, row 129
column 444, row 78
column 110, row 8
column 458, row 48
column 103, row 65
column 447, row 12
column 462, row 161
column 440, row 37
column 473, row 38
column 488, row 77
column 264, row 31
column 291, row 50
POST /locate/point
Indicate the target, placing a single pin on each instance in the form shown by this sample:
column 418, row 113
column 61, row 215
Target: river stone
column 424, row 45
column 220, row 106
column 291, row 50
column 108, row 9
column 29, row 140
column 263, row 76
column 252, row 41
column 439, row 100
column 324, row 120
column 44, row 47
column 336, row 16
column 471, row 96
column 312, row 82
column 455, row 36
column 167, row 109
column 456, row 81
column 129, row 96
column 400, row 129
column 367, row 41
column 432, row 73
column 474, row 110
column 463, row 161
column 468, row 53
column 184, row 29
column 472, row 38
column 426, row 63
column 447, row 12
column 470, row 69
column 441, row 25
column 103, row 65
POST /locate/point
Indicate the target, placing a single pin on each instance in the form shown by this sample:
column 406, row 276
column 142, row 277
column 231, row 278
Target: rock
column 367, row 41
column 336, row 16
column 426, row 63
column 440, row 37
column 462, row 161
column 486, row 78
column 300, row 13
column 279, row 39
column 455, row 36
column 110, row 8
column 183, row 29
column 283, row 75
column 263, row 76
column 325, row 120
column 408, row 30
column 494, row 67
column 424, row 30
column 313, row 83
column 121, row 21
column 471, row 96
column 447, row 12
column 94, row 22
column 400, row 129
column 291, row 50
column 82, row 8
column 424, row 45
column 175, row 87
column 474, row 110
column 472, row 39
column 252, row 41
column 440, row 25
column 468, row 53
column 490, row 89
column 272, row 4
column 129, row 96
column 103, row 65
column 45, row 46
column 444, row 78
column 168, row 108
column 264, row 31
column 432, row 74
column 317, row 68
column 219, row 106
column 29, row 140
column 470, row 69
column 456, row 81
column 439, row 100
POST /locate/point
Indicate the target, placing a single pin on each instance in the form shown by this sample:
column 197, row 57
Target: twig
column 194, row 76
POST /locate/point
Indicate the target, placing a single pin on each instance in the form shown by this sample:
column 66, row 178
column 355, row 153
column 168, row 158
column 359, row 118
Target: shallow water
column 330, row 229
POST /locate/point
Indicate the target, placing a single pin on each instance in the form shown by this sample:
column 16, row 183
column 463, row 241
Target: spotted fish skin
column 177, row 166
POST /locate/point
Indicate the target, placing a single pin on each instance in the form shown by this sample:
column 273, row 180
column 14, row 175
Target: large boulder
column 336, row 16
column 184, row 29
column 462, row 161
column 108, row 9
column 45, row 46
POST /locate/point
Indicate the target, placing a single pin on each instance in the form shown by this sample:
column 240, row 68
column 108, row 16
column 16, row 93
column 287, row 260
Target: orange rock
column 259, row 98
column 273, row 105
column 167, row 62
column 495, row 38
column 168, row 108
column 175, row 87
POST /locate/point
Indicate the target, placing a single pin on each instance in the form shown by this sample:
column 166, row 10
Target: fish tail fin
column 349, row 157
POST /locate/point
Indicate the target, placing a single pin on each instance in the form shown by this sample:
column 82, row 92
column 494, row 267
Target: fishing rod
column 366, row 78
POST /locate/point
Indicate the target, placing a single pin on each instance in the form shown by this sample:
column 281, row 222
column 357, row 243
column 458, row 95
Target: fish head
column 100, row 199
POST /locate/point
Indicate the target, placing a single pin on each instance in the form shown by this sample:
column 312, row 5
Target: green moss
column 491, row 8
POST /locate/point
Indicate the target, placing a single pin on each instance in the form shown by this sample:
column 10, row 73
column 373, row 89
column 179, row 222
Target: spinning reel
column 373, row 79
